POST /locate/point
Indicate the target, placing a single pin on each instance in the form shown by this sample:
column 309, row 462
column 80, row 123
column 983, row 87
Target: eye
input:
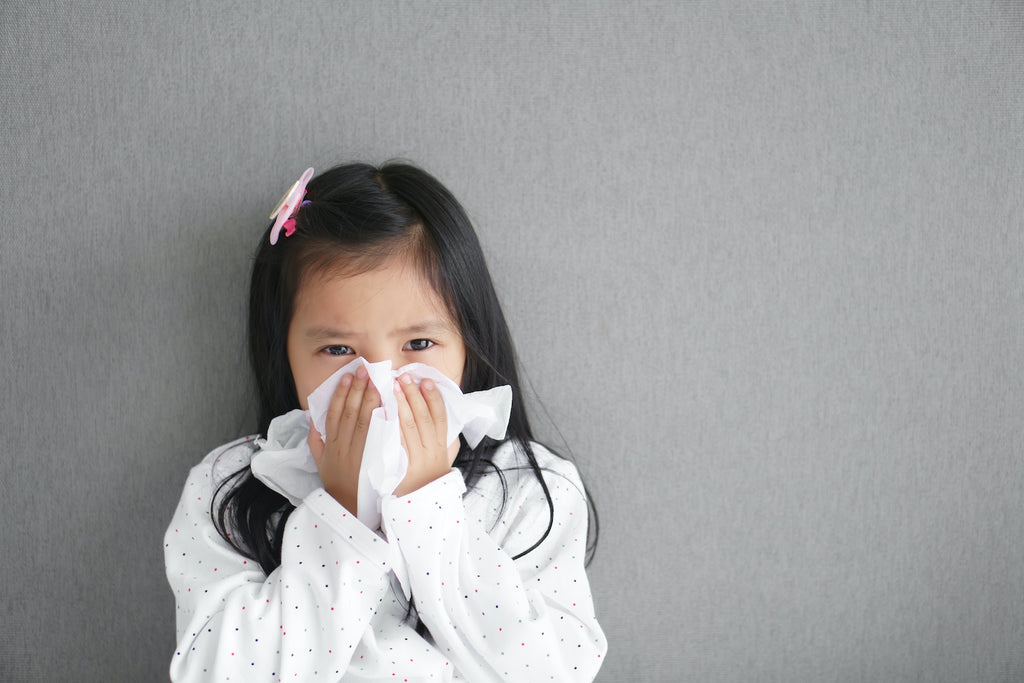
column 338, row 350
column 418, row 345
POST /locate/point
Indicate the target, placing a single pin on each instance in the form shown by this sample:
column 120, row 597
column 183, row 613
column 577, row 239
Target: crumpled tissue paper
column 285, row 463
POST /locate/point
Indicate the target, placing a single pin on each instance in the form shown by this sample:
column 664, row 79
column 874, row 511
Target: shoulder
column 205, row 478
column 514, row 483
column 558, row 472
column 224, row 461
column 520, row 506
column 194, row 512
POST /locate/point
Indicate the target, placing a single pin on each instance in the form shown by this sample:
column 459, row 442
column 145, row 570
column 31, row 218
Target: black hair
column 358, row 216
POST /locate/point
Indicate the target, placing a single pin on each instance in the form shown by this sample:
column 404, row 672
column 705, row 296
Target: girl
column 476, row 571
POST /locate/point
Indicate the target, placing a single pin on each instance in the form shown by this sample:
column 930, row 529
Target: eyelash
column 348, row 350
column 409, row 344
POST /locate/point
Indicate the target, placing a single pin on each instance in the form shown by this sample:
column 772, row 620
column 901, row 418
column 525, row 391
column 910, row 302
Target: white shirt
column 335, row 608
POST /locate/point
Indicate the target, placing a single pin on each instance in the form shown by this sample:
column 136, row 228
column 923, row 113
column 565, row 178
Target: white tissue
column 283, row 461
column 385, row 462
column 286, row 465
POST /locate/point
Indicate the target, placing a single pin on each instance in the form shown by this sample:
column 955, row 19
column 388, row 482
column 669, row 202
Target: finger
column 337, row 403
column 371, row 401
column 354, row 400
column 407, row 420
column 438, row 411
column 420, row 411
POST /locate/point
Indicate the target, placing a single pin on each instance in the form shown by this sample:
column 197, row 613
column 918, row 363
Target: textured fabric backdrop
column 763, row 264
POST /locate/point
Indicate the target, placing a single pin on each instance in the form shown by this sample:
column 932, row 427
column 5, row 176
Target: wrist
column 346, row 498
column 415, row 483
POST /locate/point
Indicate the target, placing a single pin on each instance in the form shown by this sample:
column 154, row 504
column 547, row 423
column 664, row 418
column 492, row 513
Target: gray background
column 762, row 262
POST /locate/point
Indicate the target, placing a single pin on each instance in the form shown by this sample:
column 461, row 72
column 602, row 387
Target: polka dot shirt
column 336, row 607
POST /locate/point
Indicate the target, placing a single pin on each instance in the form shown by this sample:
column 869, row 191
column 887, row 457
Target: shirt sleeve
column 497, row 618
column 302, row 622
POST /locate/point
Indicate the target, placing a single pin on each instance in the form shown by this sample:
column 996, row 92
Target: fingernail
column 427, row 385
column 406, row 379
column 346, row 380
column 361, row 372
column 398, row 389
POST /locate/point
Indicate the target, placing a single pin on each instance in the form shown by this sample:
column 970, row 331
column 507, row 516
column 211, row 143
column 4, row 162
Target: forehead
column 393, row 294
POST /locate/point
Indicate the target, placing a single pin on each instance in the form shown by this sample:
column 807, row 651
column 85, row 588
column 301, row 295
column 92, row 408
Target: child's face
column 389, row 313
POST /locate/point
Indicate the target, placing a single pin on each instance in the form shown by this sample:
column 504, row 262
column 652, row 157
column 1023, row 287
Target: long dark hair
column 357, row 216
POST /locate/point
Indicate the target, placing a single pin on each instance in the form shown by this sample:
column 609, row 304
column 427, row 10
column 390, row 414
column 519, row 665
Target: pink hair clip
column 286, row 208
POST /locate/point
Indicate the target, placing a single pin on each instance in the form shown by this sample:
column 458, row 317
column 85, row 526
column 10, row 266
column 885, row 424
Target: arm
column 305, row 618
column 498, row 618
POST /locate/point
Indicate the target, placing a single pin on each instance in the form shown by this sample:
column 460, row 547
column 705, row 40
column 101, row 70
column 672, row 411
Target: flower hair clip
column 288, row 206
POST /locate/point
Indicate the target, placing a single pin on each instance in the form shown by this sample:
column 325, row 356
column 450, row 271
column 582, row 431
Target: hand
column 424, row 424
column 348, row 420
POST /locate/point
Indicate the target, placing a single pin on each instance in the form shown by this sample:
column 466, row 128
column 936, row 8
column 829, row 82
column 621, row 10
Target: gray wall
column 763, row 264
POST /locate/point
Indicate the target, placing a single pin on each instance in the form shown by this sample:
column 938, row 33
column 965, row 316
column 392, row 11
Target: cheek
column 303, row 393
column 455, row 365
column 308, row 380
column 301, row 380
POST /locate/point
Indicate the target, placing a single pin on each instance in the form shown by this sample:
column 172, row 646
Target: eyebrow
column 325, row 333
column 425, row 327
